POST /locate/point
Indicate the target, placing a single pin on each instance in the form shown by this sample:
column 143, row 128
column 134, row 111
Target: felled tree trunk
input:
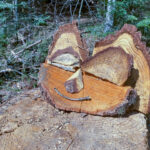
column 130, row 41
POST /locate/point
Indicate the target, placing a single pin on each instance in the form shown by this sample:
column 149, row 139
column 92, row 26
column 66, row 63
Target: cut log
column 75, row 83
column 130, row 40
column 106, row 98
column 112, row 64
column 67, row 41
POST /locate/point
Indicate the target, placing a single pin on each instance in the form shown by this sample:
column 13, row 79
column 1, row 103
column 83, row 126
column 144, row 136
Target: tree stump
column 106, row 98
column 93, row 95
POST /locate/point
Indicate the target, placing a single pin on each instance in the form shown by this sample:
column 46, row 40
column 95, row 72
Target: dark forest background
column 27, row 28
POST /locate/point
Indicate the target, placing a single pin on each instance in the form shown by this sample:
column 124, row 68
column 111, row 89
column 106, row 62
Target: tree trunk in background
column 109, row 15
column 15, row 10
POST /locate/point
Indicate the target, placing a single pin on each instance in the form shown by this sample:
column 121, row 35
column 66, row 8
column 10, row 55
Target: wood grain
column 68, row 36
column 106, row 98
column 130, row 40
column 112, row 64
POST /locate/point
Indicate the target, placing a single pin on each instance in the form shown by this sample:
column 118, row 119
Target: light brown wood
column 130, row 40
column 66, row 59
column 106, row 98
column 112, row 64
column 75, row 83
column 67, row 40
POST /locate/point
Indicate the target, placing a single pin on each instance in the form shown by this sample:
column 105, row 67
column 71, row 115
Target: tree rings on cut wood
column 106, row 98
column 66, row 42
column 130, row 41
column 112, row 64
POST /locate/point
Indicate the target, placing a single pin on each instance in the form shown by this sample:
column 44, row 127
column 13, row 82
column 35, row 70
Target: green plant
column 5, row 5
column 127, row 11
column 41, row 20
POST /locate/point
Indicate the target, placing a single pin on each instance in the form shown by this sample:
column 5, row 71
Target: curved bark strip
column 112, row 64
column 68, row 36
column 72, row 99
column 106, row 98
column 130, row 40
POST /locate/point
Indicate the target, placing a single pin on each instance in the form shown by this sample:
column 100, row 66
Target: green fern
column 144, row 23
column 4, row 5
column 131, row 18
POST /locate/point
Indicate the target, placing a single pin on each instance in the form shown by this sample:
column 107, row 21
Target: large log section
column 130, row 40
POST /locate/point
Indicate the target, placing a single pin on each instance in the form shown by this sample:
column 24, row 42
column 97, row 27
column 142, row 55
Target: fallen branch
column 72, row 99
column 29, row 46
column 13, row 70
column 6, row 70
column 15, row 55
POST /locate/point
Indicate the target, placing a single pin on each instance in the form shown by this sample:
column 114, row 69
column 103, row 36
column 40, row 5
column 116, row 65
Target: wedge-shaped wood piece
column 66, row 59
column 106, row 98
column 75, row 83
column 67, row 40
column 130, row 40
column 67, row 68
column 112, row 64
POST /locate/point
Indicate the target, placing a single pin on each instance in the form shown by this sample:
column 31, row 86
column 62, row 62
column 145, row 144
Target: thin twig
column 5, row 70
column 55, row 10
column 88, row 7
column 29, row 46
column 13, row 70
column 75, row 7
column 15, row 55
column 71, row 12
column 72, row 99
column 80, row 10
column 63, row 7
